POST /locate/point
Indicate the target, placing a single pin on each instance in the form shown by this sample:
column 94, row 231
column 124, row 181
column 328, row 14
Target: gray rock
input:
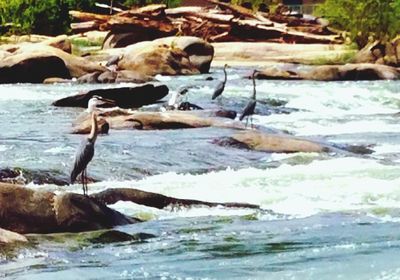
column 125, row 97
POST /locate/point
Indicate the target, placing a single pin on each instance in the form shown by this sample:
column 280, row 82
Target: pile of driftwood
column 220, row 22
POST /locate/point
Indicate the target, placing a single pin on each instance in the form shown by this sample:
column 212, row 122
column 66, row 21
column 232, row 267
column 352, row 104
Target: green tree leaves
column 48, row 17
column 377, row 19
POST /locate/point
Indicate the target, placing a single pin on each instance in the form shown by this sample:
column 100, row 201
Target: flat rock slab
column 161, row 120
column 278, row 143
column 347, row 72
column 125, row 97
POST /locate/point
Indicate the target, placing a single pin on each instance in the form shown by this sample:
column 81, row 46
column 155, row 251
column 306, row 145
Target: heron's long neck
column 254, row 87
column 93, row 132
column 225, row 78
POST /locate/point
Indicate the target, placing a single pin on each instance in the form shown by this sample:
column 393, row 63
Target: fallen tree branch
column 111, row 196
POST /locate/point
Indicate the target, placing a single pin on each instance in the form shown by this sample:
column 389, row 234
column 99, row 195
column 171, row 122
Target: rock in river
column 125, row 97
column 347, row 72
column 24, row 210
column 166, row 56
column 34, row 63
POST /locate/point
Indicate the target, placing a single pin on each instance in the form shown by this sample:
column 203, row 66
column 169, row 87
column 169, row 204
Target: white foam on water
column 386, row 148
column 301, row 123
column 162, row 78
column 334, row 185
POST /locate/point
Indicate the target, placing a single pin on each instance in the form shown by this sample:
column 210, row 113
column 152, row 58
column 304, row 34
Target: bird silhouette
column 220, row 86
column 251, row 105
column 84, row 155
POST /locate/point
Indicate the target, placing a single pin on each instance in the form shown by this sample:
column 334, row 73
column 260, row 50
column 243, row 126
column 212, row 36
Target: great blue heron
column 249, row 109
column 220, row 86
column 84, row 155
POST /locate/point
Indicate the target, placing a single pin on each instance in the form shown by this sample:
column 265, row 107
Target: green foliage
column 364, row 20
column 48, row 17
column 340, row 58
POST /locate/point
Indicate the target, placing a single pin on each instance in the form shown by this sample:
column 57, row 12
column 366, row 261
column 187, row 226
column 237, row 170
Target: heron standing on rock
column 249, row 109
column 220, row 86
column 84, row 155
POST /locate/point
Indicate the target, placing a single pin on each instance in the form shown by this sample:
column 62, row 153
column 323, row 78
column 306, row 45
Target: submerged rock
column 113, row 236
column 39, row 177
column 124, row 97
column 273, row 143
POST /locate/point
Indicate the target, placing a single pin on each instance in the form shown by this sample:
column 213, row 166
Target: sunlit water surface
column 323, row 216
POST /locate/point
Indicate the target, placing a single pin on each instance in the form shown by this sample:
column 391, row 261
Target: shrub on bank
column 364, row 20
column 47, row 17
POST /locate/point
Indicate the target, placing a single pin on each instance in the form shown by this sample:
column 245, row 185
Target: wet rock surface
column 124, row 97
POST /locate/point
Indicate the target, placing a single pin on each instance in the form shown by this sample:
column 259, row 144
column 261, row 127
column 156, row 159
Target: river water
column 323, row 216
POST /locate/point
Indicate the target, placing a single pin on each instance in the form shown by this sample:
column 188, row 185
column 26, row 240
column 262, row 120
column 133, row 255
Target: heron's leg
column 247, row 121
column 251, row 121
column 83, row 182
column 87, row 189
column 86, row 180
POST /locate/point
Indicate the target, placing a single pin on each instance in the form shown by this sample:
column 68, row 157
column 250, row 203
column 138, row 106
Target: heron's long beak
column 105, row 101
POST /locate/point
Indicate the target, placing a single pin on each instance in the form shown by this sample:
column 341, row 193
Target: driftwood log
column 228, row 23
column 111, row 196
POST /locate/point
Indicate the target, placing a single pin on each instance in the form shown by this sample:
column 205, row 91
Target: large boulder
column 31, row 68
column 168, row 56
column 124, row 97
column 26, row 57
column 353, row 72
column 347, row 72
column 151, row 60
column 25, row 210
column 199, row 51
